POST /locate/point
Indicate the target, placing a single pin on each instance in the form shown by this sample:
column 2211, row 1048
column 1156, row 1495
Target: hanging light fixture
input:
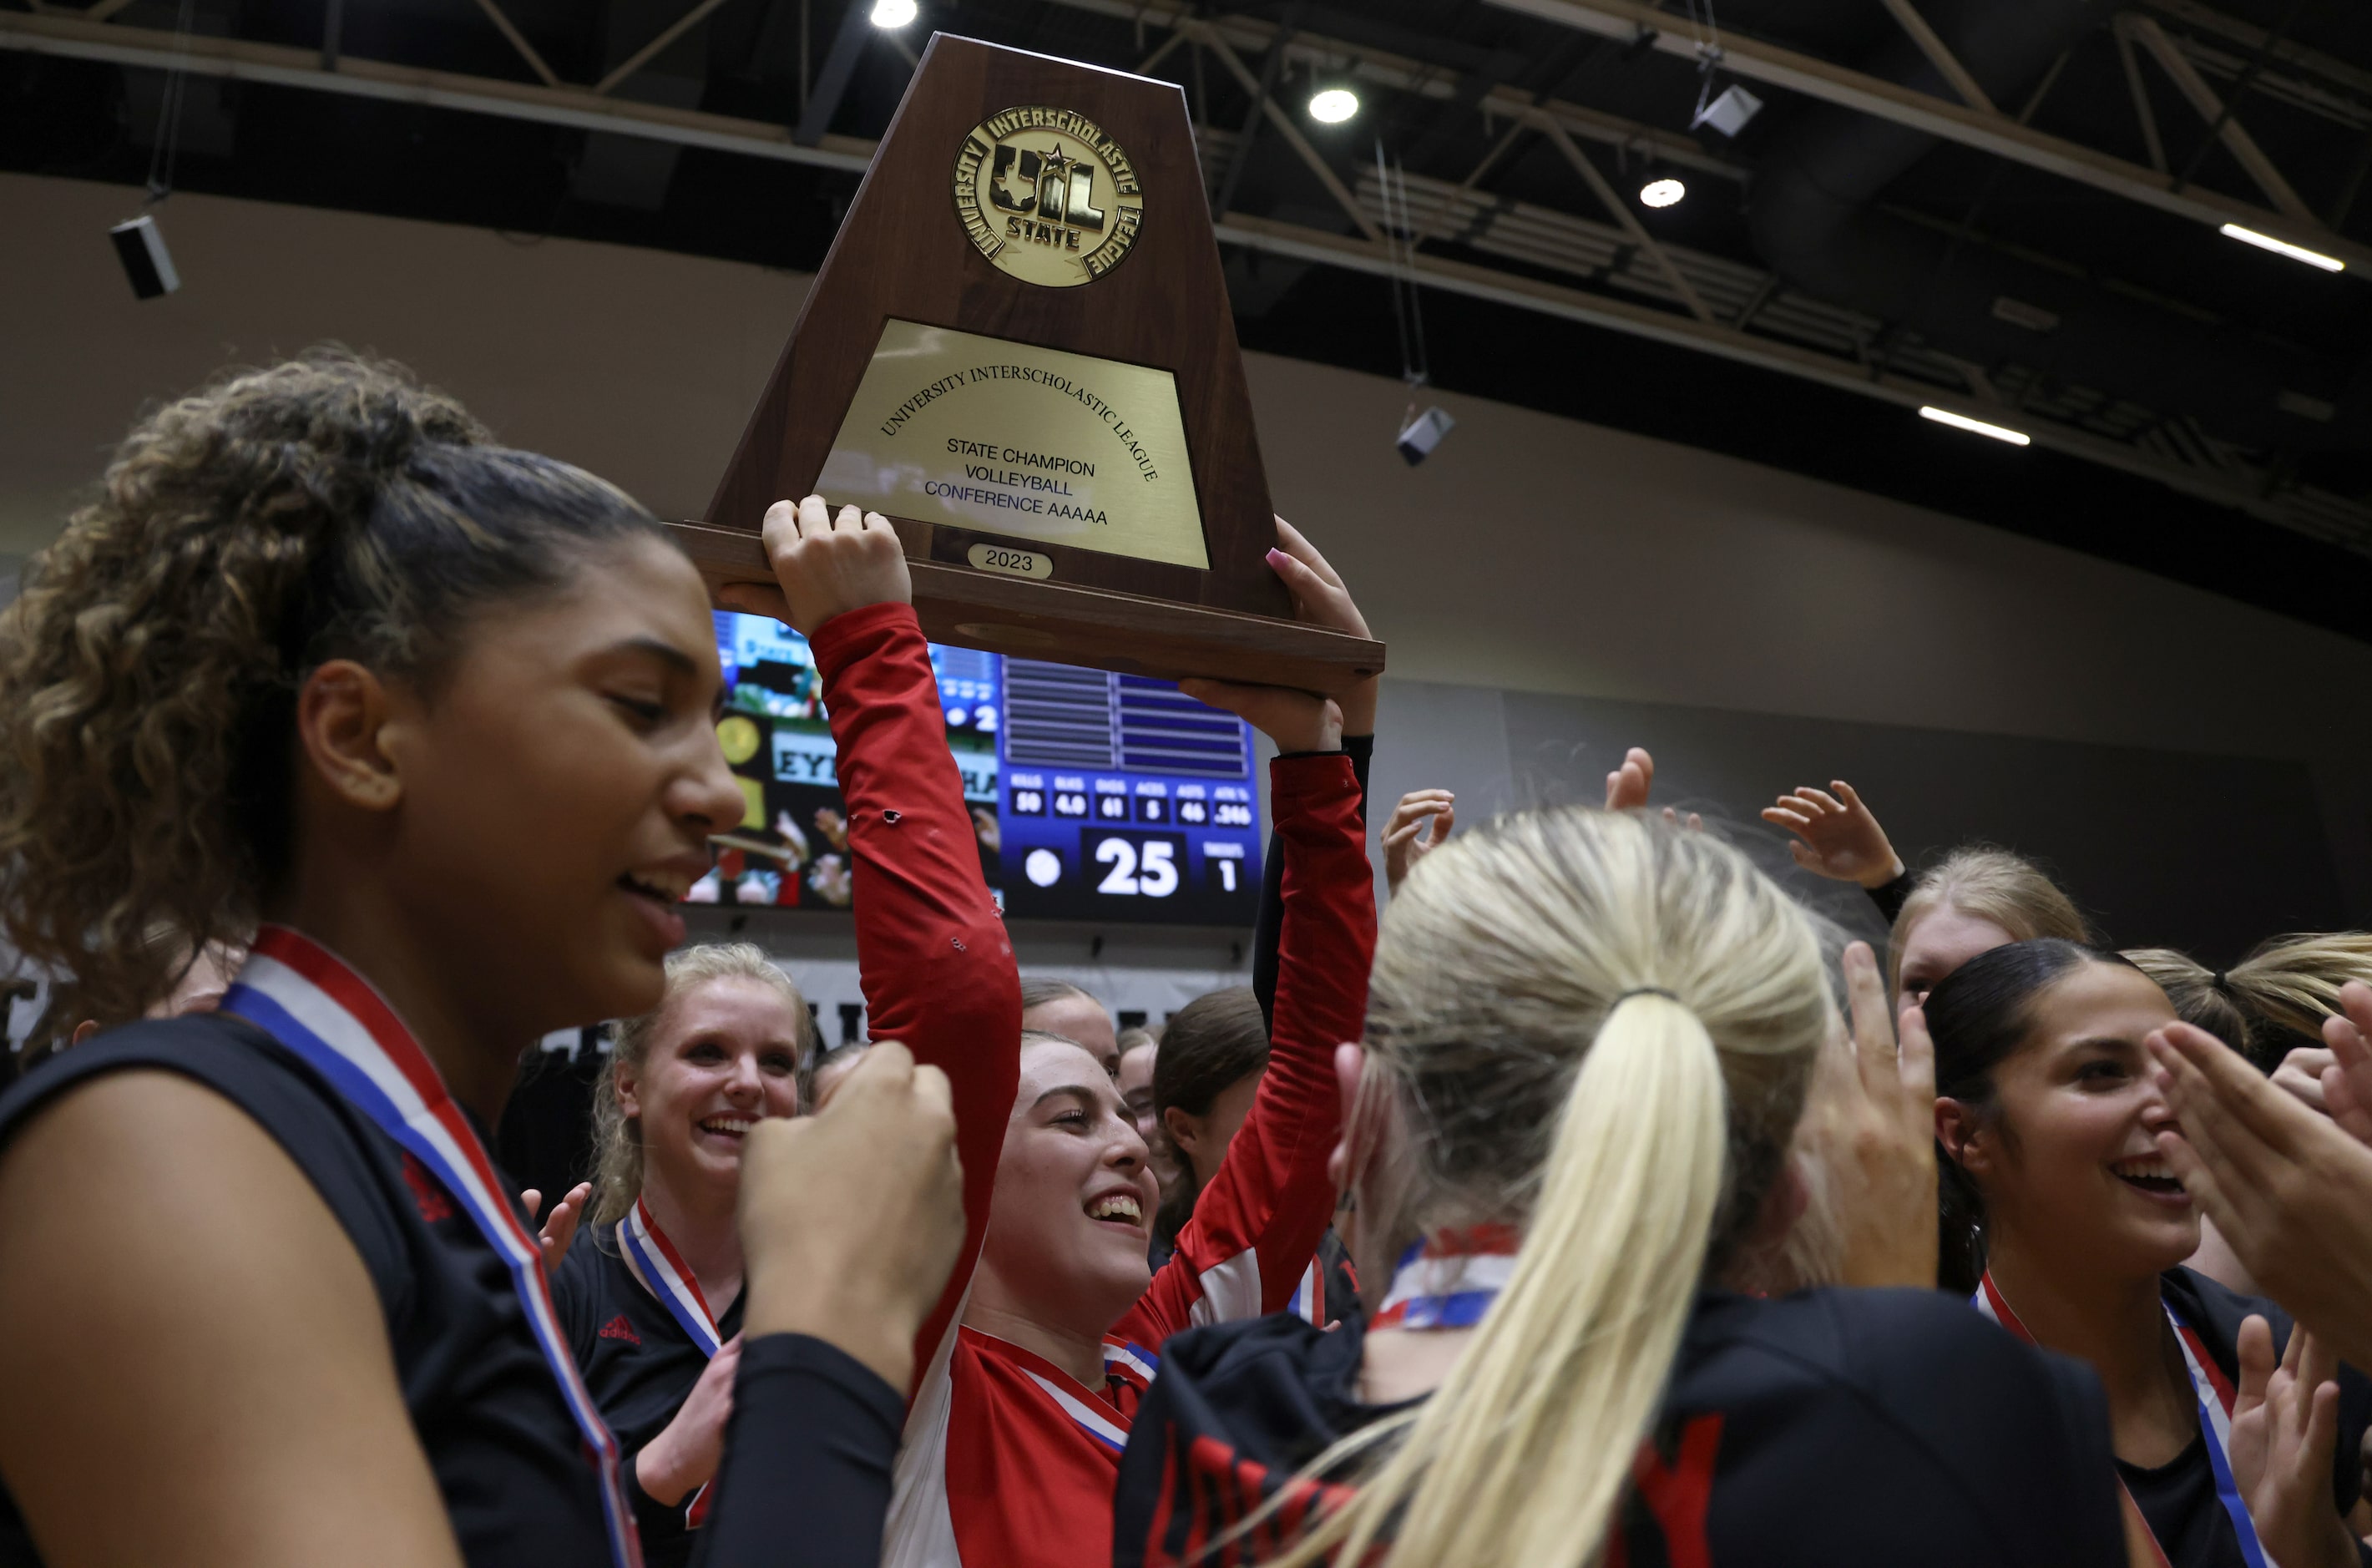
column 1663, row 191
column 1333, row 105
column 892, row 13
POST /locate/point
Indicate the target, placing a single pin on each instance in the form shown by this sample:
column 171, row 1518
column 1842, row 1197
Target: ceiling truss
column 1609, row 274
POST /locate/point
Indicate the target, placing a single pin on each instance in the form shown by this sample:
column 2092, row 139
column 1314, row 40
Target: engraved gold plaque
column 1031, row 443
column 1047, row 196
column 1021, row 348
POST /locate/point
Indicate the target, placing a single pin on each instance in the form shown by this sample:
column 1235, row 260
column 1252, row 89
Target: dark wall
column 2204, row 853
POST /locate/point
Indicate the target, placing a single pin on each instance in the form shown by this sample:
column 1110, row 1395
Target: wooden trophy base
column 1101, row 628
column 1020, row 351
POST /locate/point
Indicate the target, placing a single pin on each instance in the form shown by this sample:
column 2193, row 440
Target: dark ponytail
column 330, row 507
column 1215, row 1041
column 1980, row 1017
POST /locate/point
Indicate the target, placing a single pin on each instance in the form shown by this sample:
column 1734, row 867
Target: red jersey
column 1006, row 1459
column 931, row 949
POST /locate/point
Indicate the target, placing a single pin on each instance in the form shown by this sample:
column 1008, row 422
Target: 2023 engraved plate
column 1047, row 196
column 993, row 436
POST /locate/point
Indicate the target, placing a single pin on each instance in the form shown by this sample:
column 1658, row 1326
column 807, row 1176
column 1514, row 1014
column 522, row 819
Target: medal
column 651, row 1259
column 2209, row 1386
column 1449, row 1281
column 306, row 998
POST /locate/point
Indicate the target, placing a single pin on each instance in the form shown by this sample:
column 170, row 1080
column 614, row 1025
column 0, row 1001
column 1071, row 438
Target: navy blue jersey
column 639, row 1365
column 813, row 1434
column 506, row 1452
column 1823, row 1430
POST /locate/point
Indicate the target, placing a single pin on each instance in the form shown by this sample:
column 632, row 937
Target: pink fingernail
column 1276, row 555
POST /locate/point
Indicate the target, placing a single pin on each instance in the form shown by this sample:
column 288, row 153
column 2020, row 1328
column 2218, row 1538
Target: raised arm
column 1319, row 598
column 932, row 952
column 1257, row 1224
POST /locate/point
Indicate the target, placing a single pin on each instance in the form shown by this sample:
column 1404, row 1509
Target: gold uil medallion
column 1047, row 196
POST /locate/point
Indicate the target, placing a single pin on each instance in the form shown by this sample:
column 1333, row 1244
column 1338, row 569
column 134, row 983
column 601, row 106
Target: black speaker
column 145, row 260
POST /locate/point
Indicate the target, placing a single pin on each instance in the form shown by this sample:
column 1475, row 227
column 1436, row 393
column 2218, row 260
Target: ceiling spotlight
column 892, row 13
column 1962, row 422
column 2283, row 247
column 1328, row 105
column 1663, row 192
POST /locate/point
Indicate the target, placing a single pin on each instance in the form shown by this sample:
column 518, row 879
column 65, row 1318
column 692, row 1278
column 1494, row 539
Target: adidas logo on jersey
column 619, row 1328
column 431, row 1198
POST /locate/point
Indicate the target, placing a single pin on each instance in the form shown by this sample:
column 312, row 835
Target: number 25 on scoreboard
column 1137, row 865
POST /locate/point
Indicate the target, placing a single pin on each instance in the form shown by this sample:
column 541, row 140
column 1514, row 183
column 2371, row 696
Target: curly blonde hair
column 327, row 507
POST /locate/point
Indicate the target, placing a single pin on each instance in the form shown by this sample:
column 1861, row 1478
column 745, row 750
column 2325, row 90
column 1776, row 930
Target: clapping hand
column 1836, row 836
column 2347, row 1080
column 2288, row 1189
column 2300, row 1074
column 1418, row 824
column 1875, row 1135
column 1627, row 788
column 2284, row 1437
column 851, row 1219
column 683, row 1457
column 560, row 1225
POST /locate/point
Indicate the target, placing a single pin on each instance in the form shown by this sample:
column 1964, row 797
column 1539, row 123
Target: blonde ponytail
column 1603, row 1028
column 2271, row 1002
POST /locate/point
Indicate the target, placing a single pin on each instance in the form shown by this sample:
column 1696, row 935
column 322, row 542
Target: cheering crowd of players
column 1600, row 1208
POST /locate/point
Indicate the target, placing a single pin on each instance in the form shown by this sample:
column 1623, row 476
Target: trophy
column 1020, row 351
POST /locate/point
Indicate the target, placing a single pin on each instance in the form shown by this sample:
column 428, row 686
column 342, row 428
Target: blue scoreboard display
column 1093, row 795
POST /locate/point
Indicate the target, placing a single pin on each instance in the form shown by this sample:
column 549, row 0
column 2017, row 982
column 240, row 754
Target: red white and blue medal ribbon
column 306, row 999
column 1097, row 1422
column 651, row 1259
column 1449, row 1281
column 655, row 1261
column 2215, row 1394
column 1308, row 1302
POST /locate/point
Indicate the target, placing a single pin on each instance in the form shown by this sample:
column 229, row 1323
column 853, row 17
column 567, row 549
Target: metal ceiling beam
column 2140, row 91
column 240, row 60
column 1401, row 72
column 1258, row 88
column 1947, row 64
column 2192, row 14
column 2235, row 139
column 832, row 81
column 649, row 52
column 1620, row 210
column 1240, row 159
column 1994, row 133
column 519, row 42
column 283, row 67
column 1599, row 310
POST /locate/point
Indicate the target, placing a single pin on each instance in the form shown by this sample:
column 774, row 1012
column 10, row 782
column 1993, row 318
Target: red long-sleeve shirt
column 932, row 952
column 1007, row 1458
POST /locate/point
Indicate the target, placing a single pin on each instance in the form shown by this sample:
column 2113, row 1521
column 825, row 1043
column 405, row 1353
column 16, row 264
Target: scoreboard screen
column 1093, row 795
